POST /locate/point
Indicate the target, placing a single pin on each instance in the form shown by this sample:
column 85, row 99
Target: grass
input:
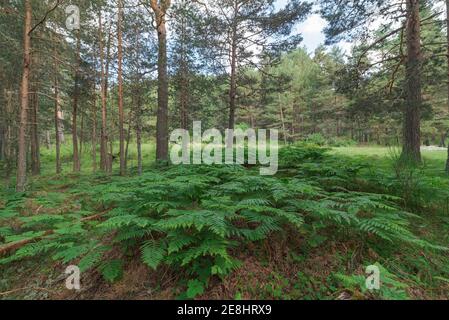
column 382, row 157
column 48, row 156
column 437, row 157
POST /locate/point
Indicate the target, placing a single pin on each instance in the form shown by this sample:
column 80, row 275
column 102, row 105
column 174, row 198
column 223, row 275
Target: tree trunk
column 82, row 135
column 21, row 157
column 233, row 79
column 447, row 162
column 139, row 135
column 184, row 90
column 296, row 119
column 61, row 125
column 57, row 119
column 94, row 129
column 104, row 140
column 120, row 91
column 447, row 25
column 48, row 139
column 110, row 156
column 412, row 136
column 57, row 113
column 109, row 139
column 76, row 159
column 8, row 146
column 281, row 113
column 160, row 11
column 35, row 153
column 33, row 117
column 2, row 136
column 128, row 138
column 138, row 110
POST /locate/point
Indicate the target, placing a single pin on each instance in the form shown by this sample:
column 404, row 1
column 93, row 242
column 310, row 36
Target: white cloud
column 312, row 32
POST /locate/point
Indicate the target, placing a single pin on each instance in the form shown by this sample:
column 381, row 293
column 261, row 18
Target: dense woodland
column 86, row 114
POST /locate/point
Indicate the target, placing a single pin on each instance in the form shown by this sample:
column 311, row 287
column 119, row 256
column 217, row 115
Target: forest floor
column 326, row 259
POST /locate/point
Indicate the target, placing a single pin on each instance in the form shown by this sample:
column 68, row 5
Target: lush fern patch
column 197, row 220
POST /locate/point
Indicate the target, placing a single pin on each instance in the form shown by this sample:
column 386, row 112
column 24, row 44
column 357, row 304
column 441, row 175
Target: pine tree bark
column 138, row 109
column 128, row 138
column 104, row 139
column 160, row 9
column 57, row 112
column 139, row 134
column 2, row 136
column 184, row 81
column 35, row 150
column 120, row 91
column 296, row 125
column 76, row 159
column 47, row 139
column 8, row 144
column 412, row 135
column 447, row 25
column 281, row 114
column 81, row 135
column 22, row 146
column 109, row 139
column 447, row 162
column 33, row 116
column 233, row 79
column 94, row 127
column 233, row 82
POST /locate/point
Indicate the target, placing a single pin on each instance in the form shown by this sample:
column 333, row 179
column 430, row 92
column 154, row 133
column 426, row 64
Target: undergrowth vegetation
column 202, row 223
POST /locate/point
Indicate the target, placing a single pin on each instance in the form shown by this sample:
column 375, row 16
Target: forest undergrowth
column 225, row 232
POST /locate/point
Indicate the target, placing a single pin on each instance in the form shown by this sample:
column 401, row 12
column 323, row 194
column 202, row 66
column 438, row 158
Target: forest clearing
column 224, row 150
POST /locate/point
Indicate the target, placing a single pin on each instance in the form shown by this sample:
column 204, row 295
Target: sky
column 312, row 31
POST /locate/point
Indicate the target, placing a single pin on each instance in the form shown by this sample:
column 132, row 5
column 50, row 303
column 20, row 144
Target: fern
column 112, row 270
column 177, row 242
column 71, row 253
column 153, row 253
column 391, row 286
column 92, row 258
column 191, row 217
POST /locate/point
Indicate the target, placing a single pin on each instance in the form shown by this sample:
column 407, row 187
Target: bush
column 317, row 139
column 300, row 153
column 320, row 140
column 337, row 142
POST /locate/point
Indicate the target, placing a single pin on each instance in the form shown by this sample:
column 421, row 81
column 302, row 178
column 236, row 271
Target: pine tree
column 234, row 28
column 21, row 157
column 120, row 89
column 447, row 31
column 349, row 20
column 160, row 8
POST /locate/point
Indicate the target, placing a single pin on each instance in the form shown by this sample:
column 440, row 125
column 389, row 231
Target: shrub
column 337, row 142
column 317, row 139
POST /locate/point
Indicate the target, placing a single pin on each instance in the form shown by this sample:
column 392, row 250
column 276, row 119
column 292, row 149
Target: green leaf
column 112, row 270
column 194, row 288
column 153, row 254
column 92, row 258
